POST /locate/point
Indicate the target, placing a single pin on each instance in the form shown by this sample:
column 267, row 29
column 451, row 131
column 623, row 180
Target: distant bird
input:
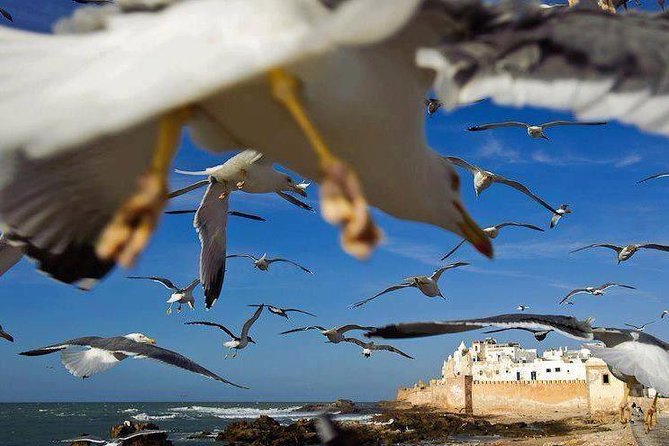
column 104, row 353
column 653, row 177
column 641, row 327
column 539, row 335
column 664, row 313
column 493, row 232
column 230, row 213
column 5, row 335
column 6, row 14
column 522, row 307
column 370, row 346
column 282, row 311
column 533, row 130
column 428, row 285
column 237, row 342
column 483, row 179
column 559, row 213
column 595, row 291
column 92, row 439
column 432, row 105
column 335, row 335
column 263, row 262
column 625, row 252
column 179, row 295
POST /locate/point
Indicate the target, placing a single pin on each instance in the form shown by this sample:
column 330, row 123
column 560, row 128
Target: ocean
column 42, row 424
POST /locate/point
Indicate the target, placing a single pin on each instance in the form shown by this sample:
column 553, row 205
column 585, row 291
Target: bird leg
column 129, row 230
column 624, row 406
column 179, row 308
column 650, row 417
column 342, row 199
column 169, row 309
column 240, row 183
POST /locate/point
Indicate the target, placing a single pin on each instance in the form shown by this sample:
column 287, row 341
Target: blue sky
column 593, row 169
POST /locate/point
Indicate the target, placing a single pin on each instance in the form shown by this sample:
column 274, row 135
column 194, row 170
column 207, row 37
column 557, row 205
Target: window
column 517, row 376
column 557, row 369
column 533, row 376
column 548, row 370
column 605, row 378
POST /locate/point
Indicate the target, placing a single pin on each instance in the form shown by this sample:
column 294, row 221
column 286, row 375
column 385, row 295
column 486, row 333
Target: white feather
column 84, row 363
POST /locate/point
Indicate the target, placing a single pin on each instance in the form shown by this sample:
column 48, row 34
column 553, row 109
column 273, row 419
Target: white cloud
column 564, row 159
column 492, row 148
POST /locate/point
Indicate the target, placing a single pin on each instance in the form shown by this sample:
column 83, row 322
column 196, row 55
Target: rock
column 130, row 427
column 265, row 431
column 341, row 406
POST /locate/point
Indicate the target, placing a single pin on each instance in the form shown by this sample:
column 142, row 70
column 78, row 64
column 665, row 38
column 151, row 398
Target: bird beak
column 151, row 341
column 473, row 233
column 300, row 189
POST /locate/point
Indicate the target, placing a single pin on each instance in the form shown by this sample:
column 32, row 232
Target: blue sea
column 41, row 424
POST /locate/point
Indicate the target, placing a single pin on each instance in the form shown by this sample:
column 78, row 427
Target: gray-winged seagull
column 334, row 335
column 263, row 262
column 493, row 232
column 534, row 131
column 283, row 312
column 595, row 291
column 654, row 177
column 625, row 252
column 369, row 346
column 179, row 295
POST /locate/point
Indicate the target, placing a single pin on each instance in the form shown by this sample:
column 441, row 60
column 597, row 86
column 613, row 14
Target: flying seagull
column 370, row 346
column 5, row 335
column 428, row 285
column 335, row 335
column 641, row 327
column 559, row 213
column 92, row 439
column 6, row 14
column 664, row 313
column 595, row 291
column 624, row 252
column 493, row 232
column 263, row 262
column 101, row 354
column 534, row 131
column 237, row 342
column 483, row 179
column 283, row 312
column 179, row 295
column 656, row 176
column 632, row 356
column 522, row 307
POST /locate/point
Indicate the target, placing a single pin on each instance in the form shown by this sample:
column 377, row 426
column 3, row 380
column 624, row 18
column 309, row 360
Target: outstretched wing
column 247, row 325
column 598, row 245
column 167, row 283
column 191, row 286
column 462, row 163
column 522, row 188
column 655, row 246
column 312, row 327
column 355, row 341
column 572, row 293
column 390, row 348
column 610, row 284
column 557, row 123
column 653, row 177
column 495, row 125
column 296, row 310
column 452, row 251
column 291, row 262
column 297, row 202
column 6, row 14
column 349, row 327
column 187, row 189
column 213, row 324
column 437, row 273
column 387, row 290
column 522, row 225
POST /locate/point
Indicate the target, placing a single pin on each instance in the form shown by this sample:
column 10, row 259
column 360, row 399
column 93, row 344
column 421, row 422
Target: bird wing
column 248, row 256
column 291, row 262
column 213, row 324
column 349, row 327
column 6, row 14
column 296, row 310
column 387, row 290
column 211, row 220
column 462, row 163
column 655, row 246
column 636, row 327
column 296, row 201
column 566, row 325
column 390, row 348
column 523, row 225
column 362, row 344
column 652, row 177
column 245, row 215
column 7, row 336
column 516, row 64
column 85, row 363
column 191, row 286
column 312, row 327
column 557, row 123
column 186, row 38
column 167, row 283
column 247, row 325
column 572, row 293
column 495, row 125
column 437, row 273
column 189, row 188
column 88, row 341
column 610, row 284
column 522, row 188
column 599, row 245
column 9, row 255
column 455, row 248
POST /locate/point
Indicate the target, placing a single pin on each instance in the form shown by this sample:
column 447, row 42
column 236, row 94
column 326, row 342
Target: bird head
column 289, row 185
column 141, row 338
column 565, row 209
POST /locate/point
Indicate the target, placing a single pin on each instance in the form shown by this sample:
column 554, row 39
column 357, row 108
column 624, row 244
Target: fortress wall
column 449, row 394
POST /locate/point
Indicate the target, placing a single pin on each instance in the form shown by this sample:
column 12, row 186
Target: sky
column 594, row 169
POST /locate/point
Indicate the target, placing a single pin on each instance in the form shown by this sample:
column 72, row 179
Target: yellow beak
column 150, row 341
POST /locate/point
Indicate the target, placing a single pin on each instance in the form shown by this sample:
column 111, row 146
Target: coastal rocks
column 130, row 427
column 265, row 431
column 339, row 406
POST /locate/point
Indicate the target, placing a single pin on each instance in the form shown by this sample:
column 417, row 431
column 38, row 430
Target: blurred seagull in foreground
column 493, row 232
column 641, row 327
column 237, row 342
column 283, row 312
column 534, row 131
column 5, row 335
column 631, row 355
column 654, row 177
column 91, row 439
column 179, row 295
column 263, row 262
column 370, row 346
column 101, row 354
column 625, row 252
column 539, row 335
column 335, row 335
column 595, row 291
column 9, row 255
column 428, row 285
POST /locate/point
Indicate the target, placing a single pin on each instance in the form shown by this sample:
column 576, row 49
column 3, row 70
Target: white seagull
column 237, row 342
column 534, row 131
column 91, row 439
column 369, row 346
column 428, row 285
column 522, row 307
column 179, row 295
column 101, row 354
column 283, row 312
column 493, row 232
column 595, row 291
column 334, row 335
column 641, row 327
column 263, row 262
column 625, row 252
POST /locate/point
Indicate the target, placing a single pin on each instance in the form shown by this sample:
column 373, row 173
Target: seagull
column 179, row 295
column 595, row 291
column 249, row 171
column 624, row 252
column 263, row 262
column 483, row 179
column 370, row 346
column 559, row 213
column 432, row 105
column 6, row 14
column 522, row 307
column 335, row 335
column 493, row 232
column 653, row 177
column 91, row 439
column 641, row 327
column 236, row 343
column 534, row 131
column 101, row 354
column 664, row 313
column 631, row 355
column 331, row 434
column 282, row 311
column 428, row 285
column 5, row 335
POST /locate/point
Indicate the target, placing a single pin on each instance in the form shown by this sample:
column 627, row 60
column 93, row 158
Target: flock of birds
column 362, row 141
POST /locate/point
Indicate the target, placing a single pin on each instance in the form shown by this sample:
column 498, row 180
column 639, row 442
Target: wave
column 130, row 410
column 146, row 417
column 234, row 413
